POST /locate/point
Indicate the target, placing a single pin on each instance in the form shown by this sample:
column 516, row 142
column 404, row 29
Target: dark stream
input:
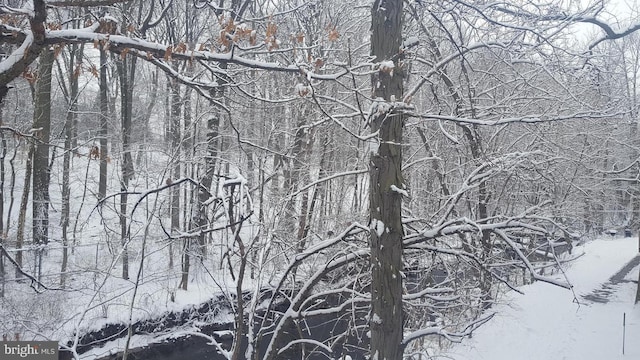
column 320, row 328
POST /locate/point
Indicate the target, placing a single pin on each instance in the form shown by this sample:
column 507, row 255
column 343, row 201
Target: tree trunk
column 68, row 134
column 41, row 170
column 297, row 174
column 42, row 123
column 2, row 179
column 241, row 327
column 386, row 321
column 638, row 284
column 174, row 137
column 104, row 125
column 213, row 124
column 22, row 215
column 175, row 146
column 126, row 70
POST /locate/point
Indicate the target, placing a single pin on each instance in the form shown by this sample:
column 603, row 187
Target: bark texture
column 42, row 123
column 386, row 320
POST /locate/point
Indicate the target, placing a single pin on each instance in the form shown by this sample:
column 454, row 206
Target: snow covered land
column 320, row 180
column 552, row 323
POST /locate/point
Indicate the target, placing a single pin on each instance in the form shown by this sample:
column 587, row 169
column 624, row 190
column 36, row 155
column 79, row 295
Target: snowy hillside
column 549, row 323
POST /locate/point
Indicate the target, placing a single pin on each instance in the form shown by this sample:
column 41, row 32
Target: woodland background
column 358, row 160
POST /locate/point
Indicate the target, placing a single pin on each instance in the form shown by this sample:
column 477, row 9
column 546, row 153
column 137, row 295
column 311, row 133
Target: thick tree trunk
column 41, row 169
column 42, row 123
column 386, row 319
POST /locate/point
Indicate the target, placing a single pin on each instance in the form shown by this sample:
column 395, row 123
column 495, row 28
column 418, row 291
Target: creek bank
column 208, row 317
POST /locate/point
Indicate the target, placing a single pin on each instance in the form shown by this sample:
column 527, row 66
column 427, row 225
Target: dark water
column 338, row 329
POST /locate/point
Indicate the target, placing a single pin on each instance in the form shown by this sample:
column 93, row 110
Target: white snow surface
column 387, row 65
column 546, row 322
column 378, row 226
column 399, row 191
column 376, row 319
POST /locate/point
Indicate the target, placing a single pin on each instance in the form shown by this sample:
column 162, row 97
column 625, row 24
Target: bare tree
column 41, row 168
column 386, row 182
column 71, row 94
column 462, row 110
column 126, row 70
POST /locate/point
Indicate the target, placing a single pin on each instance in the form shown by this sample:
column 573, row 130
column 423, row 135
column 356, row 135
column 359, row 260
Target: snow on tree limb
column 35, row 284
column 527, row 119
column 451, row 336
column 587, row 16
column 16, row 63
column 528, row 264
column 84, row 3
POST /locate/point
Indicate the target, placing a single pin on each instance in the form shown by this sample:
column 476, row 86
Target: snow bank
column 547, row 322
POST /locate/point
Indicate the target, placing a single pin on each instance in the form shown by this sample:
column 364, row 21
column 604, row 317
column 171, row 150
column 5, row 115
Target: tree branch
column 85, row 3
column 5, row 253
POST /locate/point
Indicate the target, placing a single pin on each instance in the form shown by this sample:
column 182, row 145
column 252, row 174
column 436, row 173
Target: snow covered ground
column 549, row 323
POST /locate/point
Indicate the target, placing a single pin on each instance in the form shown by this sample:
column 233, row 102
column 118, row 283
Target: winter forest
column 303, row 179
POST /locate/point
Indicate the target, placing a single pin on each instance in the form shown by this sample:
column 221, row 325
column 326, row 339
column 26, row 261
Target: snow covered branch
column 527, row 119
column 36, row 284
column 528, row 264
column 451, row 336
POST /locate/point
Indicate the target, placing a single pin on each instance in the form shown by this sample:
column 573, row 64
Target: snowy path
column 546, row 323
column 602, row 294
